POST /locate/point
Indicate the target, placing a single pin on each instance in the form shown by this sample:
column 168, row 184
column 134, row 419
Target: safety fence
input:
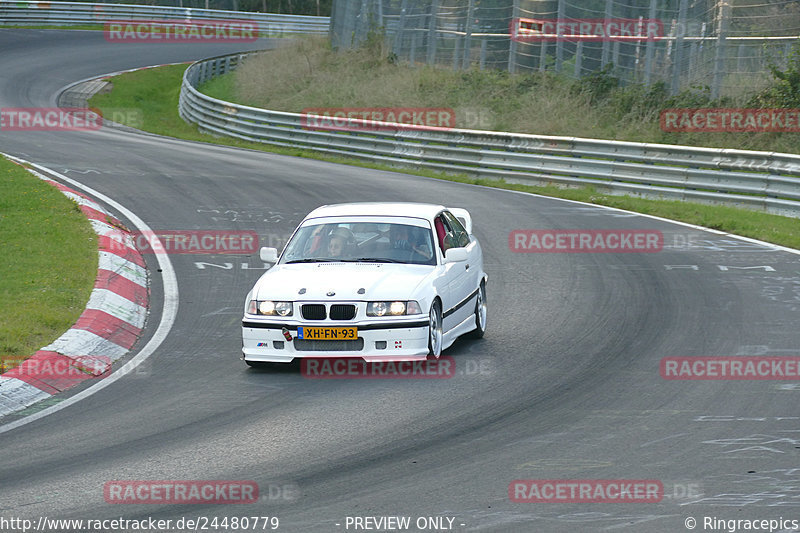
column 724, row 45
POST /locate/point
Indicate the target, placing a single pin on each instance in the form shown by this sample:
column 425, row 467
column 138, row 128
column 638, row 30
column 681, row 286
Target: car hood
column 380, row 281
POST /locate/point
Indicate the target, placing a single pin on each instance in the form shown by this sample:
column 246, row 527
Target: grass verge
column 155, row 93
column 48, row 265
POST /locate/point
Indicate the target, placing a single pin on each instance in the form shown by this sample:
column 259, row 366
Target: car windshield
column 375, row 242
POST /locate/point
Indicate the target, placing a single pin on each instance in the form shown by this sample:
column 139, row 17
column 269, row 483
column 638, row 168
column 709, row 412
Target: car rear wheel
column 435, row 330
column 481, row 313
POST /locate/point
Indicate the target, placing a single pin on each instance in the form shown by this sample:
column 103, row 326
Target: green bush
column 785, row 91
column 598, row 85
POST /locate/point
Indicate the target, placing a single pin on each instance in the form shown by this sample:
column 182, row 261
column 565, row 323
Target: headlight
column 269, row 308
column 393, row 308
column 283, row 308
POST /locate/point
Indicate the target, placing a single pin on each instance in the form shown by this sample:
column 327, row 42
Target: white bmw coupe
column 382, row 281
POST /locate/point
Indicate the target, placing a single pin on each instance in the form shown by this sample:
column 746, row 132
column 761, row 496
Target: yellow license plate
column 327, row 334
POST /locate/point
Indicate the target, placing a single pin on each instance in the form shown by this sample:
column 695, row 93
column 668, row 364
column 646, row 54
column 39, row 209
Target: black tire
column 435, row 329
column 481, row 313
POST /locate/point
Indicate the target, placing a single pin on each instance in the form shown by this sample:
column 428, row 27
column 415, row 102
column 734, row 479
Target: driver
column 401, row 239
column 339, row 240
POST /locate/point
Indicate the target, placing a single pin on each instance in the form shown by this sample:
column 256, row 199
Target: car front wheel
column 435, row 330
column 481, row 313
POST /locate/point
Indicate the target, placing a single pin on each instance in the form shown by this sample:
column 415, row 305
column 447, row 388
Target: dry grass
column 311, row 74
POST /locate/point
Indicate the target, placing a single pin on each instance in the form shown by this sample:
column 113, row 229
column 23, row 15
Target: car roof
column 398, row 209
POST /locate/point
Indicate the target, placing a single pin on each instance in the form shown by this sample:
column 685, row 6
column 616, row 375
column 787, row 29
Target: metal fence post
column 468, row 33
column 512, row 42
column 335, row 27
column 483, row 53
column 690, row 71
column 719, row 61
column 578, row 59
column 606, row 42
column 361, row 22
column 651, row 44
column 740, row 59
column 398, row 37
column 560, row 36
column 432, row 32
column 543, row 56
column 348, row 25
column 679, row 34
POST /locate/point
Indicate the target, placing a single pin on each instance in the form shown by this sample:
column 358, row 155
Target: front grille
column 313, row 311
column 343, row 312
column 305, row 345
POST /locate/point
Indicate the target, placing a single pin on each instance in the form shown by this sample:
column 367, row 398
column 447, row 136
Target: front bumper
column 398, row 340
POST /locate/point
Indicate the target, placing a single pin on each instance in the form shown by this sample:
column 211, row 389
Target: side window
column 459, row 233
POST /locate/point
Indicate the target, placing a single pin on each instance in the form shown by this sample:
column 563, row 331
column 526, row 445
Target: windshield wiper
column 371, row 260
column 315, row 260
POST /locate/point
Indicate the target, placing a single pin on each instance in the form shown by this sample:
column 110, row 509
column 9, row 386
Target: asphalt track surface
column 565, row 385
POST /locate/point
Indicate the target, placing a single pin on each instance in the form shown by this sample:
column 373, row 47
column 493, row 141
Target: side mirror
column 455, row 255
column 268, row 255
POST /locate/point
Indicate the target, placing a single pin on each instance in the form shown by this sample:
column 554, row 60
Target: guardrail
column 765, row 181
column 72, row 13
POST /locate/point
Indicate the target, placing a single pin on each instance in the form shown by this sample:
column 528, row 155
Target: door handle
column 467, row 267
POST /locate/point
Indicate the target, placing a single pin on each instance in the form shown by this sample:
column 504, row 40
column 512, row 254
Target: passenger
column 339, row 241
